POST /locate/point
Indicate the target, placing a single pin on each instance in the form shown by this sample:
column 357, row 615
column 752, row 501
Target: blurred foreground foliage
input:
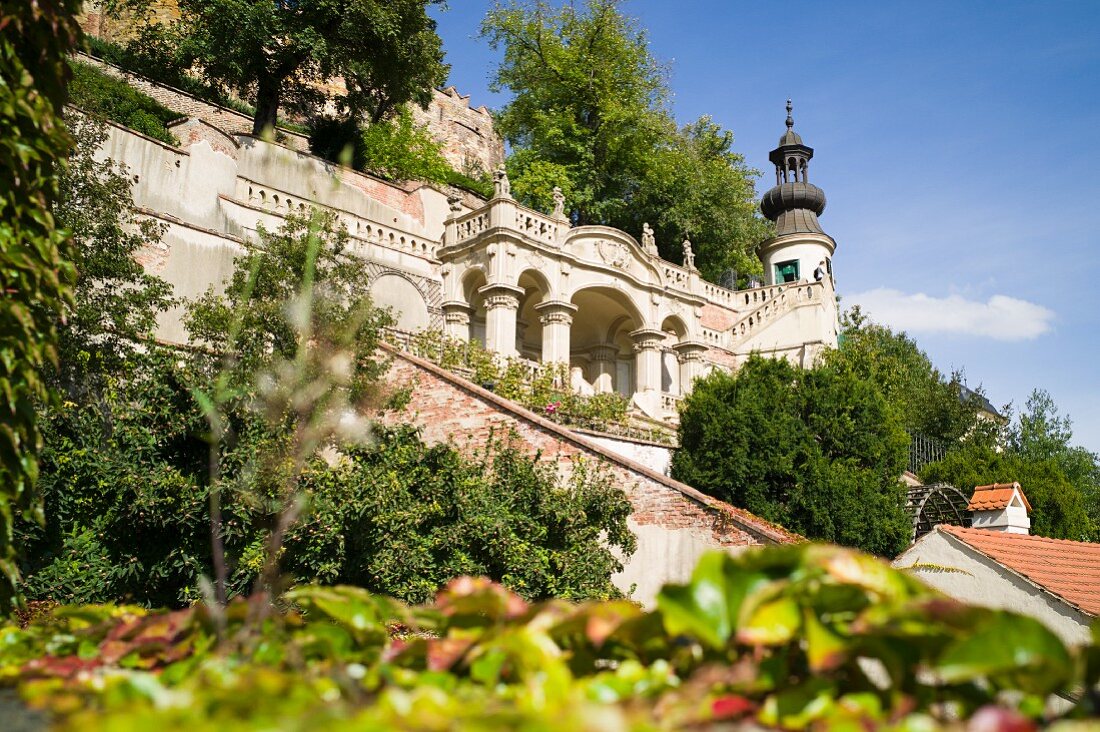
column 795, row 637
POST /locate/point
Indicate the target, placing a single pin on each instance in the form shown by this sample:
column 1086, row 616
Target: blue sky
column 954, row 141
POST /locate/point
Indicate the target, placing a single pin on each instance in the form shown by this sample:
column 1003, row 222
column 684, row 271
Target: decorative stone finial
column 649, row 242
column 454, row 203
column 689, row 256
column 790, row 119
column 559, row 203
column 501, row 187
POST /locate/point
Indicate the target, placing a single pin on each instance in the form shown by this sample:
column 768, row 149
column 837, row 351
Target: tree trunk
column 267, row 107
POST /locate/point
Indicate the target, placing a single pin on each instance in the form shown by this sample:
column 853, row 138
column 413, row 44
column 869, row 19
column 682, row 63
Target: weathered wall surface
column 967, row 575
column 470, row 143
column 674, row 522
column 657, row 458
column 214, row 191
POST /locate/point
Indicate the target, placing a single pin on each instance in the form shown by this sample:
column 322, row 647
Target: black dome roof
column 790, row 196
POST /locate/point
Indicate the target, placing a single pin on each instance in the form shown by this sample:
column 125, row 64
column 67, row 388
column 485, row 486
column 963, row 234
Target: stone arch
column 676, row 331
column 472, row 280
column 536, row 289
column 600, row 339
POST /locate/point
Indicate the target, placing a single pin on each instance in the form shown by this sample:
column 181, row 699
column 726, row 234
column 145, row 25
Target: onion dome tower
column 800, row 245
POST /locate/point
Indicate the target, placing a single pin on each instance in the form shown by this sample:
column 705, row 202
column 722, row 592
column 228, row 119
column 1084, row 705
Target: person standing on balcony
column 819, row 273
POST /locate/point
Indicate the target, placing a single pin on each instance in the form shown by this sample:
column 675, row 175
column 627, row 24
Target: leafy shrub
column 815, row 450
column 396, row 150
column 114, row 99
column 402, row 518
column 124, row 482
column 35, row 267
column 796, row 637
column 542, row 388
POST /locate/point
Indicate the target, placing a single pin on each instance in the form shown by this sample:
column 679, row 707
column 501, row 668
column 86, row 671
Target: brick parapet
column 450, row 408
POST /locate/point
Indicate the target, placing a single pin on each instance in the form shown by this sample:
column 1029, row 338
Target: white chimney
column 1000, row 507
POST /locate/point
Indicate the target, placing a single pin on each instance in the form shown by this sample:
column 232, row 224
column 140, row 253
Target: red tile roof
column 996, row 496
column 1068, row 569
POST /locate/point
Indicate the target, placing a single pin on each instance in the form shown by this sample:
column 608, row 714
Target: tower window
column 786, row 272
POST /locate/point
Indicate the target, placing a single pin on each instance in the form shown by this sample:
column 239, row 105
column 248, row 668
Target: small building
column 997, row 563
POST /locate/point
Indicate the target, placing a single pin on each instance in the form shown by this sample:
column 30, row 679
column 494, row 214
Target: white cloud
column 1001, row 317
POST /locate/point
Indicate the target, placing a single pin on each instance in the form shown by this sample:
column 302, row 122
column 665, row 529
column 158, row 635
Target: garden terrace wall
column 674, row 522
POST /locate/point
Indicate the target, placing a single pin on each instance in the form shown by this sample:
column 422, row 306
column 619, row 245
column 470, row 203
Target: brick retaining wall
column 449, row 408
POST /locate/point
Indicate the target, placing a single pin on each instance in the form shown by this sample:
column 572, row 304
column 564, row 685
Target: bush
column 402, row 518
column 817, row 451
column 797, row 637
column 104, row 95
column 124, row 482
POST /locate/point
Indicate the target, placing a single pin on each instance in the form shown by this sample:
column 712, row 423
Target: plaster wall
column 191, row 259
column 657, row 458
column 808, row 254
column 981, row 581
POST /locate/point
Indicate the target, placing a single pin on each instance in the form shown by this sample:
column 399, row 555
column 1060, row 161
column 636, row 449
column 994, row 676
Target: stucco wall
column 657, row 458
column 974, row 578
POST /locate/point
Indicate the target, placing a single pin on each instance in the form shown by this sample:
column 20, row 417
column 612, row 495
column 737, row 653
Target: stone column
column 456, row 319
column 501, row 306
column 690, row 356
column 647, row 359
column 604, row 359
column 556, row 317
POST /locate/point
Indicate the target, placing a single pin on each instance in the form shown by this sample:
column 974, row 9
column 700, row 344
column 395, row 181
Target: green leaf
column 1011, row 650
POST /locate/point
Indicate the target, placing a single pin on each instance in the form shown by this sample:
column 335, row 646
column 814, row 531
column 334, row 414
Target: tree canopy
column 818, row 451
column 290, row 55
column 927, row 402
column 590, row 114
column 1060, row 480
column 35, row 268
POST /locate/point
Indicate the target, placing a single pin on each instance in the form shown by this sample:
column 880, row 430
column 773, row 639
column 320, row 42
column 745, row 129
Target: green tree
column 818, row 451
column 35, row 267
column 402, row 518
column 696, row 186
column 1061, row 481
column 116, row 301
column 926, row 401
column 590, row 114
column 285, row 54
column 263, row 302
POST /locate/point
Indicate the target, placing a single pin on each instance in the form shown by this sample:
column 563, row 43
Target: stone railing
column 670, row 403
column 674, row 276
column 536, row 226
column 521, row 219
column 772, row 302
column 720, row 295
column 470, row 225
column 713, row 337
column 755, row 296
column 362, row 230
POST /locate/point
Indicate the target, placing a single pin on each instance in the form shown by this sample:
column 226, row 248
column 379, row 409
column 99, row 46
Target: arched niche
column 600, row 337
column 472, row 281
column 406, row 303
column 675, row 331
column 536, row 289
